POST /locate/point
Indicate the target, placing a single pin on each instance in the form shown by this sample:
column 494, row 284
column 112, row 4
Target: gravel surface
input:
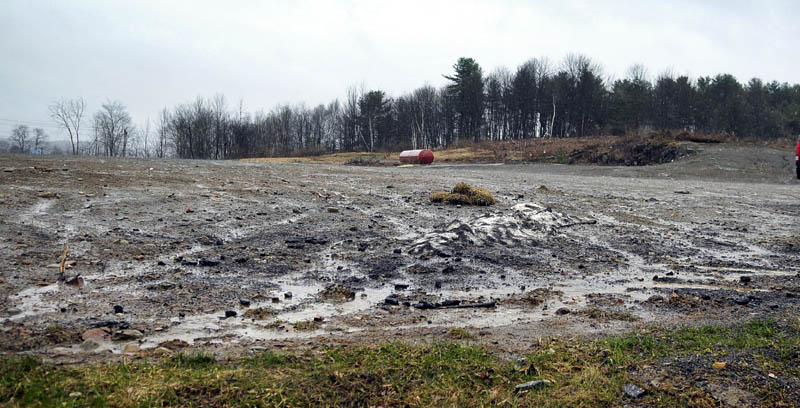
column 179, row 251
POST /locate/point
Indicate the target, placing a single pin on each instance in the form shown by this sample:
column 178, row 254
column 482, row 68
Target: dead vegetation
column 464, row 194
column 259, row 313
column 337, row 293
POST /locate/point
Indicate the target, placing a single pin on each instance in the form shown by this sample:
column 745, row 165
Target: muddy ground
column 298, row 255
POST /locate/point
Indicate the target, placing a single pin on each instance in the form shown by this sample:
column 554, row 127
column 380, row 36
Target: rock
column 48, row 194
column 392, row 301
column 531, row 385
column 437, row 284
column 173, row 345
column 97, row 334
column 287, row 295
column 125, row 335
column 400, row 286
column 745, row 279
column 333, row 210
column 207, row 262
column 316, row 241
column 742, row 300
column 118, row 309
column 633, row 391
column 89, row 345
column 130, row 349
column 76, row 281
column 276, row 300
column 244, row 302
column 398, row 251
column 732, row 396
column 655, row 298
column 562, row 311
column 720, row 365
column 230, row 313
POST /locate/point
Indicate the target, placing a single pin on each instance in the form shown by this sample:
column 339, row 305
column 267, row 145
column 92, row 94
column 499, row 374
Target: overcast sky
column 152, row 54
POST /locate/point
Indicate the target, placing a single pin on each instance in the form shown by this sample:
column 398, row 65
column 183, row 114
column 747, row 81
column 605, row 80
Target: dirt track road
column 571, row 250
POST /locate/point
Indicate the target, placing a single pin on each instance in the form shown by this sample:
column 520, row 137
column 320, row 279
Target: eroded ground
column 307, row 254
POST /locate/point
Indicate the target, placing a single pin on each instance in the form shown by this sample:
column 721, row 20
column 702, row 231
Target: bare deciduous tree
column 19, row 136
column 39, row 138
column 69, row 113
column 113, row 124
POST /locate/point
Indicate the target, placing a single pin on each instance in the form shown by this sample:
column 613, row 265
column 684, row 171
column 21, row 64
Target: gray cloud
column 151, row 54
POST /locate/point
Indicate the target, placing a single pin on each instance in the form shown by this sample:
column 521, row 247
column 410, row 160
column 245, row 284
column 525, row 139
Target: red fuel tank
column 423, row 156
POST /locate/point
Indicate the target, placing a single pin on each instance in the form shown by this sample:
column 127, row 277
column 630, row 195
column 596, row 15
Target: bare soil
column 568, row 251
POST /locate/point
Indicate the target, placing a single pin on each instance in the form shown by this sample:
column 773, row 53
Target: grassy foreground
column 581, row 372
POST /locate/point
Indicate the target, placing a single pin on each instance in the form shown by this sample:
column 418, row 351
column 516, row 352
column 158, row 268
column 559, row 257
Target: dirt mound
column 526, row 222
column 628, row 152
column 464, row 194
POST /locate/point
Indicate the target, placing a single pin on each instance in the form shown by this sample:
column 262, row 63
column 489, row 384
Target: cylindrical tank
column 423, row 156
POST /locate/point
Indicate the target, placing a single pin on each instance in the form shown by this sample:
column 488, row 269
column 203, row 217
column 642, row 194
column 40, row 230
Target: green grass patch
column 582, row 373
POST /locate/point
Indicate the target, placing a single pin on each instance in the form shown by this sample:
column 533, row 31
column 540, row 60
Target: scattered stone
column 633, row 391
column 532, row 385
column 562, row 311
column 745, row 279
column 118, row 309
column 742, row 300
column 126, row 335
column 244, row 302
column 230, row 313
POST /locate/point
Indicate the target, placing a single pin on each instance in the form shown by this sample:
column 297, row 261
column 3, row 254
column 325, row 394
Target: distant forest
column 537, row 99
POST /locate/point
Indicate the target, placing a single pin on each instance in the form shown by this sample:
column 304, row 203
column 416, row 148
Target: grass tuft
column 464, row 194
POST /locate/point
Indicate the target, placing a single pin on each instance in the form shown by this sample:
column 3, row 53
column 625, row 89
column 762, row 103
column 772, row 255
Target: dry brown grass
column 464, row 194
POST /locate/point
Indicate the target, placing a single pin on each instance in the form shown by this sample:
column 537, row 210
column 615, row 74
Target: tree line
column 538, row 99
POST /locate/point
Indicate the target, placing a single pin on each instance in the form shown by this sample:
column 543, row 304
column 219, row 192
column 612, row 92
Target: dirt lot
column 298, row 255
